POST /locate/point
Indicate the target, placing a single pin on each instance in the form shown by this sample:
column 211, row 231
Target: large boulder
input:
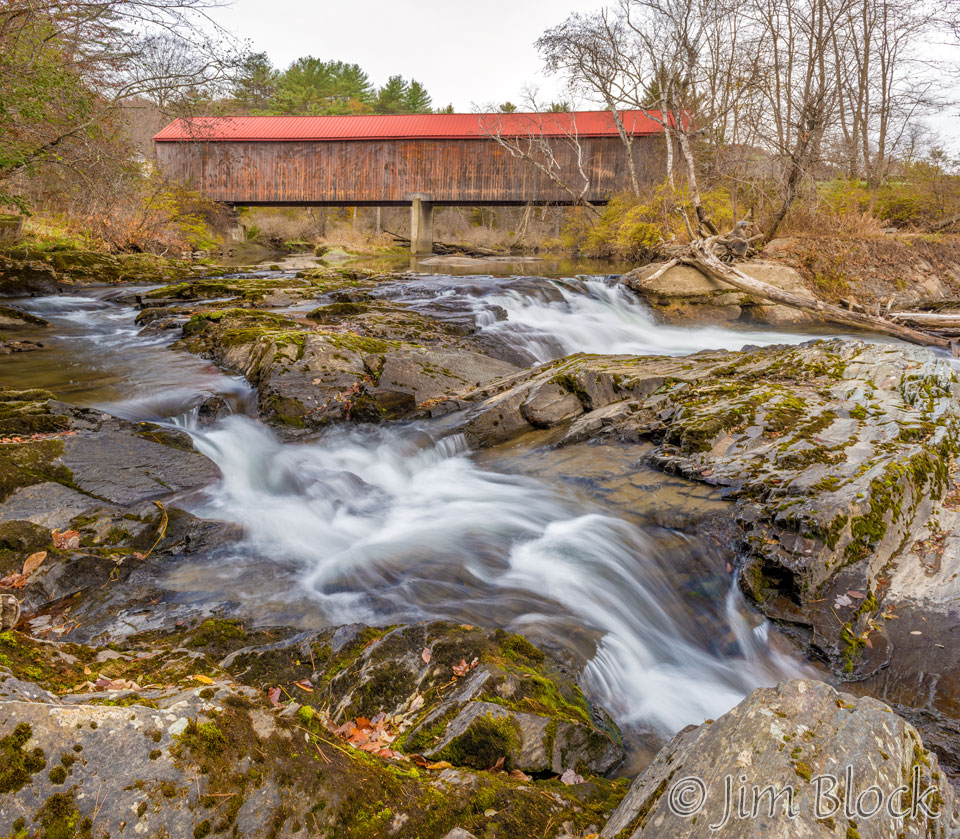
column 809, row 762
column 308, row 376
column 684, row 295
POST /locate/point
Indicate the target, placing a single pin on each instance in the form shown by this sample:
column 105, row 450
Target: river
column 401, row 523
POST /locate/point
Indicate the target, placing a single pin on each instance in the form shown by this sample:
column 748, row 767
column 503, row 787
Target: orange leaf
column 32, row 562
column 425, row 655
column 440, row 764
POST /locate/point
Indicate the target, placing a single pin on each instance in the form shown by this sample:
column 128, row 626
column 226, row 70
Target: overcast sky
column 465, row 53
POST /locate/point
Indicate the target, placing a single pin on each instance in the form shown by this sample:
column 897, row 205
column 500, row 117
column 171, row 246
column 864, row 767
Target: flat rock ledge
column 839, row 764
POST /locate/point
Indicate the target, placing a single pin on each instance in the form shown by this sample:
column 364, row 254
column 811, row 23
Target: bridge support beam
column 421, row 225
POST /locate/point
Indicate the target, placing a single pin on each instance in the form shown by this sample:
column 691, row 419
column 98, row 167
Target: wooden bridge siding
column 387, row 171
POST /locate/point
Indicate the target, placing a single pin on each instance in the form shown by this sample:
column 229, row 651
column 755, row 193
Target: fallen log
column 947, row 222
column 701, row 256
column 929, row 320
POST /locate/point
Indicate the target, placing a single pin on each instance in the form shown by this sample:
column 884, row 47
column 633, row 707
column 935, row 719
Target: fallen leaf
column 425, row 655
column 204, row 680
column 69, row 540
column 519, row 775
column 570, row 777
column 463, row 668
column 440, row 764
column 305, row 684
column 32, row 562
column 498, row 766
column 858, row 594
column 274, row 694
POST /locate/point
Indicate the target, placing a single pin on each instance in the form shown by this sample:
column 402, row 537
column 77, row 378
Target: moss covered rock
column 797, row 742
column 204, row 755
column 838, row 454
column 466, row 695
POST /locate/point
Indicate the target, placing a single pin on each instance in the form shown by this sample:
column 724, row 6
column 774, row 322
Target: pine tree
column 417, row 100
column 312, row 86
column 392, row 97
column 255, row 85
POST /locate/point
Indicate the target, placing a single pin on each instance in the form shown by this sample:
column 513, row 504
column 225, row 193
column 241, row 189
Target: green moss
column 25, row 464
column 569, row 383
column 204, row 738
column 202, row 829
column 60, row 818
column 487, row 739
column 218, row 637
column 58, row 775
column 338, row 311
column 24, row 412
column 16, row 765
column 517, row 648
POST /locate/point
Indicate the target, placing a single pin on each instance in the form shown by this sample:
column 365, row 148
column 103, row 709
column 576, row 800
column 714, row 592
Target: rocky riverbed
column 439, row 557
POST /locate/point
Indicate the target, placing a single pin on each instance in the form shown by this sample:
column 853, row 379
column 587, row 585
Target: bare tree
column 68, row 66
column 536, row 137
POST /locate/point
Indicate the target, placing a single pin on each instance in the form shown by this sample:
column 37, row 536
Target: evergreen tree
column 255, row 85
column 312, row 86
column 392, row 97
column 417, row 100
column 508, row 108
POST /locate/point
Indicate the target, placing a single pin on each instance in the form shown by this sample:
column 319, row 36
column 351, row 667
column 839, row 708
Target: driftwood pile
column 715, row 257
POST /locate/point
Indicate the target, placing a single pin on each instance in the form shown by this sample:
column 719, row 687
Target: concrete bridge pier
column 421, row 224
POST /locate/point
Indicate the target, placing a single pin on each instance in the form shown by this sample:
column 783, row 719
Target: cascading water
column 386, row 525
column 544, row 320
column 381, row 526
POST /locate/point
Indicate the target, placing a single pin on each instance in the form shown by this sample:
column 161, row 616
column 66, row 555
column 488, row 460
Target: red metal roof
column 403, row 127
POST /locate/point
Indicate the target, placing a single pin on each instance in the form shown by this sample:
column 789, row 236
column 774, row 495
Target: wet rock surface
column 354, row 358
column 785, row 739
column 839, row 457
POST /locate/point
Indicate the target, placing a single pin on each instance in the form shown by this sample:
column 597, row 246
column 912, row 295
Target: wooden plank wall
column 384, row 172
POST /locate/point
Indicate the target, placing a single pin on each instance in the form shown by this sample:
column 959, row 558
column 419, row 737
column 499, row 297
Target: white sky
column 465, row 52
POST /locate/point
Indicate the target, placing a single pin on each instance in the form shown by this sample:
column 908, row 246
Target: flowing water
column 401, row 523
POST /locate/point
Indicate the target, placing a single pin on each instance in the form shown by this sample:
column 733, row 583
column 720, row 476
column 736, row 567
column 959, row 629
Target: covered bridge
column 419, row 160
